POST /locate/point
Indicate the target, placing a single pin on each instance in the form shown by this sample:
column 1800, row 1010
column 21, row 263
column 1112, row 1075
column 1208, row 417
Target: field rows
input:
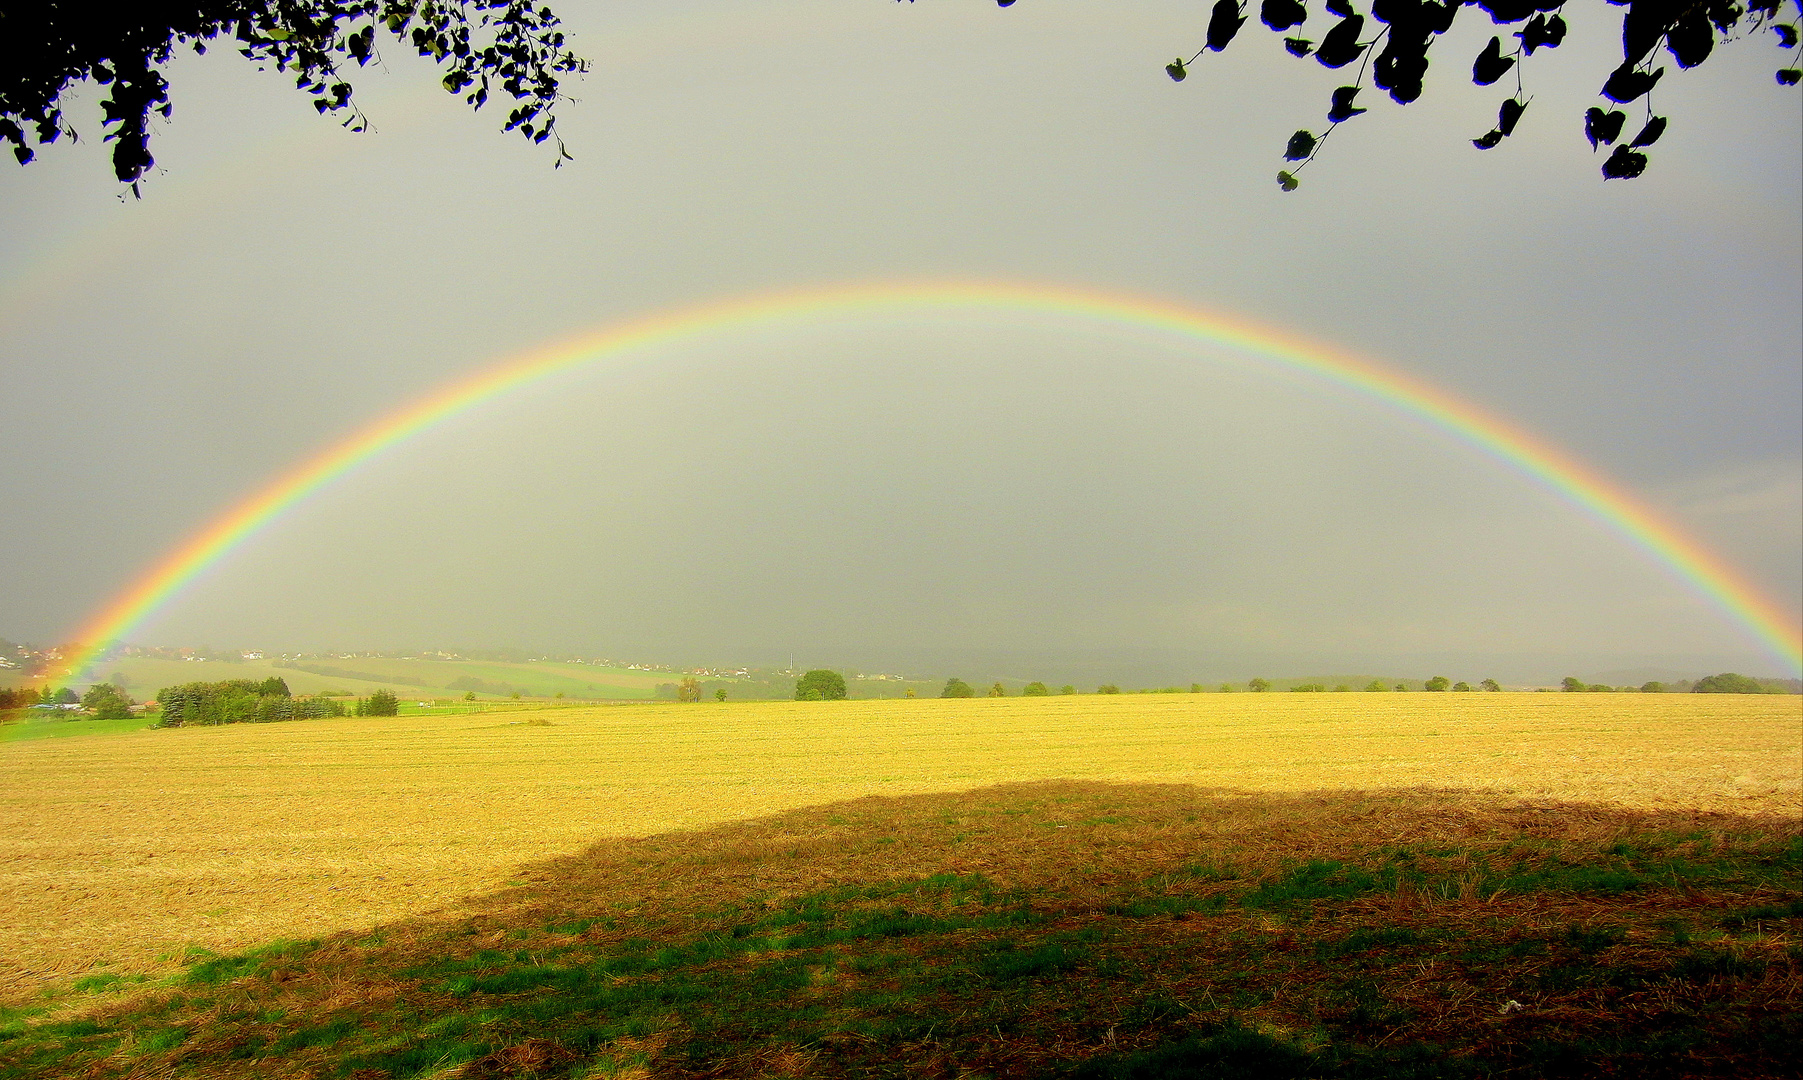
column 120, row 850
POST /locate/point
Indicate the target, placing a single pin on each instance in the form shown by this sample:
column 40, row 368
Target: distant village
column 51, row 662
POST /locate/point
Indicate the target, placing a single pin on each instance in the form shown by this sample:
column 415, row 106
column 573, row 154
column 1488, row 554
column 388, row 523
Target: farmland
column 404, row 677
column 125, row 852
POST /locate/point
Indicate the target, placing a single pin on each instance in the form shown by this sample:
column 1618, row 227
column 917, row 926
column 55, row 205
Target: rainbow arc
column 1578, row 485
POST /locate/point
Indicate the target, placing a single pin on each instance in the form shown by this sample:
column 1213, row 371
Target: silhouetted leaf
column 1489, row 140
column 1301, row 46
column 1341, row 45
column 1787, row 36
column 1490, row 64
column 1508, row 11
column 1401, row 66
column 1342, row 109
column 1626, row 84
column 1176, row 70
column 1601, row 127
column 1650, row 134
column 1283, row 14
column 1692, row 39
column 1510, row 115
column 1641, row 29
column 1286, row 181
column 1624, row 164
column 1302, row 144
column 1790, row 76
column 1542, row 33
column 1340, row 8
column 1224, row 24
column 1004, row 3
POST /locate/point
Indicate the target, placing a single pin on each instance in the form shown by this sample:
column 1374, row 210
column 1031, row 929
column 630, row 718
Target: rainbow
column 1575, row 483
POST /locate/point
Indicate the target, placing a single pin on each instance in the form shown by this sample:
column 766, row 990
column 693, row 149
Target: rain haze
column 992, row 492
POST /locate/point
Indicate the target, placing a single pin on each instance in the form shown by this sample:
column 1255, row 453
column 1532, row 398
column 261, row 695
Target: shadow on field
column 1079, row 836
column 1074, row 930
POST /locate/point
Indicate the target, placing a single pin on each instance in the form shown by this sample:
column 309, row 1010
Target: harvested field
column 1060, row 929
column 119, row 852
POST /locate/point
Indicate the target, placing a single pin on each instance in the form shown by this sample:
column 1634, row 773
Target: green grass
column 1664, row 956
column 24, row 724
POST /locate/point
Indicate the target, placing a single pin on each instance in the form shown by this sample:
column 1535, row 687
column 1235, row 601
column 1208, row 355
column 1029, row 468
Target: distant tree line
column 1727, row 682
column 24, row 697
column 958, row 688
column 469, row 684
column 243, row 701
column 347, row 673
column 103, row 701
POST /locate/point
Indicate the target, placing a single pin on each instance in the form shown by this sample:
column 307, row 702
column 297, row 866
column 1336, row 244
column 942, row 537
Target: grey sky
column 909, row 488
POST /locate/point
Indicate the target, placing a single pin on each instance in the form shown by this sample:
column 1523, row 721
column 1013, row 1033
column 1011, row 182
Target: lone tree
column 1390, row 41
column 820, row 685
column 46, row 46
column 956, row 687
column 106, row 702
column 689, row 689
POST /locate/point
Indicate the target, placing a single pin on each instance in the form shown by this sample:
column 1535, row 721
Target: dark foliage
column 238, row 701
column 46, row 46
column 106, row 702
column 379, row 703
column 1729, row 683
column 1395, row 56
column 819, row 685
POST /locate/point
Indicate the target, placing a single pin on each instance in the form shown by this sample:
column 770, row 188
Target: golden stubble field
column 119, row 852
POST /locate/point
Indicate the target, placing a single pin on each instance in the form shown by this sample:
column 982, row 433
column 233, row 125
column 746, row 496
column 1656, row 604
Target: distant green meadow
column 18, row 724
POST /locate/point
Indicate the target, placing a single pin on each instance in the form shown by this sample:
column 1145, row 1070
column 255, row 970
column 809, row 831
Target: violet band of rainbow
column 1578, row 485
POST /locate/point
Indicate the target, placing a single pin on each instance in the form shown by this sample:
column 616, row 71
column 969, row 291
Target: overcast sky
column 911, row 492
